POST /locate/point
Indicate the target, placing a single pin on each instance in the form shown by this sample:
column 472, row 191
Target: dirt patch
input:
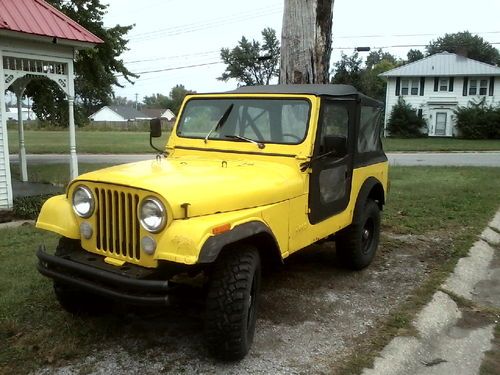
column 312, row 316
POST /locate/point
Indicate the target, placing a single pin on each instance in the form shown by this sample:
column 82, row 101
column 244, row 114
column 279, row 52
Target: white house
column 117, row 113
column 126, row 113
column 27, row 114
column 436, row 85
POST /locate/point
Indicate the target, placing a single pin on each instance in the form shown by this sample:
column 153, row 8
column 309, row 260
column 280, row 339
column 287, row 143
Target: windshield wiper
column 221, row 121
column 259, row 144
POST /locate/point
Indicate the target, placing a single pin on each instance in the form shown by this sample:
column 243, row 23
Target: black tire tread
column 348, row 241
column 225, row 320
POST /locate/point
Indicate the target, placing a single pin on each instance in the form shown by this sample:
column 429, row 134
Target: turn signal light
column 221, row 229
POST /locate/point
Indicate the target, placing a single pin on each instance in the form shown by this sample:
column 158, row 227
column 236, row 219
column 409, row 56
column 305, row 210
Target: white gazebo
column 36, row 40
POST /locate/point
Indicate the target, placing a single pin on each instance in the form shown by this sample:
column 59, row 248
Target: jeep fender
column 57, row 216
column 371, row 188
column 254, row 231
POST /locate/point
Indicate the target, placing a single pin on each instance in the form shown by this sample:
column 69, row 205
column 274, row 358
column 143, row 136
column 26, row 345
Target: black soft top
column 308, row 89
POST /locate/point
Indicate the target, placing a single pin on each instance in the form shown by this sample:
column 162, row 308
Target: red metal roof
column 36, row 17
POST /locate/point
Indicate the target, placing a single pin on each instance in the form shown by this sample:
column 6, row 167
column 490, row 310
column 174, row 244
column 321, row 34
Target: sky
column 181, row 39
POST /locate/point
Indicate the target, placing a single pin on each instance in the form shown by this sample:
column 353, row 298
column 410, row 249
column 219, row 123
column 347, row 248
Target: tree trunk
column 306, row 41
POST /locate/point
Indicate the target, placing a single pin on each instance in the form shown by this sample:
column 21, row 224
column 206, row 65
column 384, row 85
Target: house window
column 478, row 87
column 473, row 87
column 405, row 84
column 415, row 83
column 410, row 86
column 443, row 84
column 483, row 87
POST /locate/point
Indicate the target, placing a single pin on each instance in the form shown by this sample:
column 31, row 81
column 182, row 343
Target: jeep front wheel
column 232, row 303
column 357, row 244
column 75, row 300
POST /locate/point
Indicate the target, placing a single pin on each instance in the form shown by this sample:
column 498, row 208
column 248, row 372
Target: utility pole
column 306, row 41
column 136, row 96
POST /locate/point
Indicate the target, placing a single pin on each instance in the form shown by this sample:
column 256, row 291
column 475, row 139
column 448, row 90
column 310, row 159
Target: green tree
column 252, row 63
column 376, row 57
column 404, row 121
column 157, row 101
column 172, row 102
column 467, row 44
column 348, row 70
column 177, row 95
column 373, row 85
column 478, row 120
column 414, row 55
column 96, row 69
column 123, row 101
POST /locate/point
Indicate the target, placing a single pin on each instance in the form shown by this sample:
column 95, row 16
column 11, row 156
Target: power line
column 183, row 29
column 395, row 46
column 174, row 68
column 174, row 57
column 405, row 35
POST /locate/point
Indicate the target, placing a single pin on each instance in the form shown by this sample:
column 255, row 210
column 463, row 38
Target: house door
column 440, row 128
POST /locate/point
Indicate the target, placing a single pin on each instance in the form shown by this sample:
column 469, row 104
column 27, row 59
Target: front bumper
column 131, row 284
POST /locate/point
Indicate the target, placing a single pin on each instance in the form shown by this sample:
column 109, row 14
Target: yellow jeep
column 247, row 178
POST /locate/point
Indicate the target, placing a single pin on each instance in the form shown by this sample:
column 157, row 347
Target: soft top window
column 369, row 129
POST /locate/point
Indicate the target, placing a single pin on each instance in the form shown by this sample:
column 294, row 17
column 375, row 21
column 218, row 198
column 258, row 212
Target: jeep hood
column 209, row 186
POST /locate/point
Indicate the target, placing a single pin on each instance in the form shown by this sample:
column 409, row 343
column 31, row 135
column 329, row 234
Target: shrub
column 29, row 207
column 478, row 121
column 404, row 121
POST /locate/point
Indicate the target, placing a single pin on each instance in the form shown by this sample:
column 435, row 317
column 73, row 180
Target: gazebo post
column 22, row 149
column 73, row 167
column 3, row 129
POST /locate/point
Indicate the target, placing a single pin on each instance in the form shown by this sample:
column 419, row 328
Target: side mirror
column 155, row 128
column 336, row 145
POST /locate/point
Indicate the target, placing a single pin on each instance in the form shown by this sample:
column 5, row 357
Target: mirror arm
column 163, row 152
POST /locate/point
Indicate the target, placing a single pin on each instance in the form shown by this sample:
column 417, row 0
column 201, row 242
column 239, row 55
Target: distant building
column 28, row 114
column 125, row 113
column 117, row 113
column 159, row 113
column 436, row 85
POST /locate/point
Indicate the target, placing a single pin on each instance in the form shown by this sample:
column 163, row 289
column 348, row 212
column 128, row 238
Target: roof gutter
column 79, row 45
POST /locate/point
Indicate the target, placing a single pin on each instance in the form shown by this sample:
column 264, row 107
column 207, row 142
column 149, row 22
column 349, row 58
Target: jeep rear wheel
column 232, row 303
column 357, row 244
column 75, row 300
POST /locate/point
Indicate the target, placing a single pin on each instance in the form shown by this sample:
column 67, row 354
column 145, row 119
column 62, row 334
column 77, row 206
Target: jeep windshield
column 260, row 120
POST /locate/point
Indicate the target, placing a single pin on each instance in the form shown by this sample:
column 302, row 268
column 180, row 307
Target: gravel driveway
column 312, row 315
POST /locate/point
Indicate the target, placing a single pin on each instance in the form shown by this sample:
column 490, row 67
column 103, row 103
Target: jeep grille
column 117, row 225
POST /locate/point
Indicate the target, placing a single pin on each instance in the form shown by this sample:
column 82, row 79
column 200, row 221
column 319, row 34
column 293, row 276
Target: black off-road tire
column 74, row 300
column 357, row 244
column 232, row 303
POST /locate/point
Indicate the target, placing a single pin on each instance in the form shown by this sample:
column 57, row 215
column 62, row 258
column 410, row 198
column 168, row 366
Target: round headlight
column 83, row 201
column 152, row 215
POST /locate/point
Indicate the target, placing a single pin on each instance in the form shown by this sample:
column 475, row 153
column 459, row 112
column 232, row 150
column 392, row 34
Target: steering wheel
column 291, row 136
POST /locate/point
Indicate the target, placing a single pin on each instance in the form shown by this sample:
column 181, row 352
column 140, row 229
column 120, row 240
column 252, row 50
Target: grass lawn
column 440, row 144
column 112, row 142
column 56, row 174
column 115, row 142
column 35, row 331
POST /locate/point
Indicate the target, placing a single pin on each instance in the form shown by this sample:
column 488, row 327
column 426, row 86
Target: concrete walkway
column 452, row 340
column 475, row 159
